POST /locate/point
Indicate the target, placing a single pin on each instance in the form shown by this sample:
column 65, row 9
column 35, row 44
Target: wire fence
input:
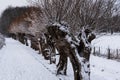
column 107, row 53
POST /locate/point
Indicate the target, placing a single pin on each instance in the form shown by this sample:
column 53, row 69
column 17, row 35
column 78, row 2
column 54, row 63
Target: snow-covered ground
column 107, row 41
column 108, row 69
column 104, row 69
column 19, row 62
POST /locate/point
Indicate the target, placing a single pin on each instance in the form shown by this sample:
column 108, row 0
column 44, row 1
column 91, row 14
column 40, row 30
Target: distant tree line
column 113, row 24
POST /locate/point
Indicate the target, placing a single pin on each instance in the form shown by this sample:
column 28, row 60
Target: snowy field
column 19, row 62
column 107, row 41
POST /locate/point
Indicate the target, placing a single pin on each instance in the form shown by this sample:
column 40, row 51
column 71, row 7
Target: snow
column 63, row 27
column 104, row 69
column 111, row 41
column 107, row 41
column 20, row 62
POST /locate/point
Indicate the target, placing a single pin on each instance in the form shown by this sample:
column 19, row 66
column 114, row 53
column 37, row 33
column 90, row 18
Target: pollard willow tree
column 77, row 49
column 79, row 15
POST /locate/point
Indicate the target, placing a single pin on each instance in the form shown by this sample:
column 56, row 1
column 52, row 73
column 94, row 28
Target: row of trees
column 98, row 15
column 77, row 15
column 54, row 24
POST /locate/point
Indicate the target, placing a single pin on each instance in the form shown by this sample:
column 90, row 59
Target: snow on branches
column 78, row 49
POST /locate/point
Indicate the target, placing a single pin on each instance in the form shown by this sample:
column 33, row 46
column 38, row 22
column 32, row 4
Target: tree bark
column 62, row 64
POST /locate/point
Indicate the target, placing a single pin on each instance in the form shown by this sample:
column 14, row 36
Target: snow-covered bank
column 17, row 63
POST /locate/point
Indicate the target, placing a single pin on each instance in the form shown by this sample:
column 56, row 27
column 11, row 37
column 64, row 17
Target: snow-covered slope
column 111, row 41
column 19, row 62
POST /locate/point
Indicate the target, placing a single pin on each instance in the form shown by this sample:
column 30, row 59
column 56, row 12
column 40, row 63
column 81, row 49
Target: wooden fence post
column 117, row 54
column 109, row 55
column 39, row 45
column 94, row 53
column 99, row 52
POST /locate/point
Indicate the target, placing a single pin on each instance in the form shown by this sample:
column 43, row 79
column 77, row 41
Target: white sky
column 5, row 3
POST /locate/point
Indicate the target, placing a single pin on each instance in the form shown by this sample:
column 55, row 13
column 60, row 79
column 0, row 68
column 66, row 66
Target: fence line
column 107, row 53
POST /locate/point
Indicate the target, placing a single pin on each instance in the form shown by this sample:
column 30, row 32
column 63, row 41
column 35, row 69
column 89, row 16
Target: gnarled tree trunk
column 77, row 51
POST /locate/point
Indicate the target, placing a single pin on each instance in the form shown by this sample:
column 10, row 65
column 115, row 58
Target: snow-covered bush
column 2, row 41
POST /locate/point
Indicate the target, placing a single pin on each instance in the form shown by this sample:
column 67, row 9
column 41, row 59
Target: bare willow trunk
column 45, row 49
column 21, row 37
column 66, row 51
column 51, row 46
column 62, row 64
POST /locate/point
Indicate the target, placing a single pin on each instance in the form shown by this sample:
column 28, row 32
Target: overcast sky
column 5, row 3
